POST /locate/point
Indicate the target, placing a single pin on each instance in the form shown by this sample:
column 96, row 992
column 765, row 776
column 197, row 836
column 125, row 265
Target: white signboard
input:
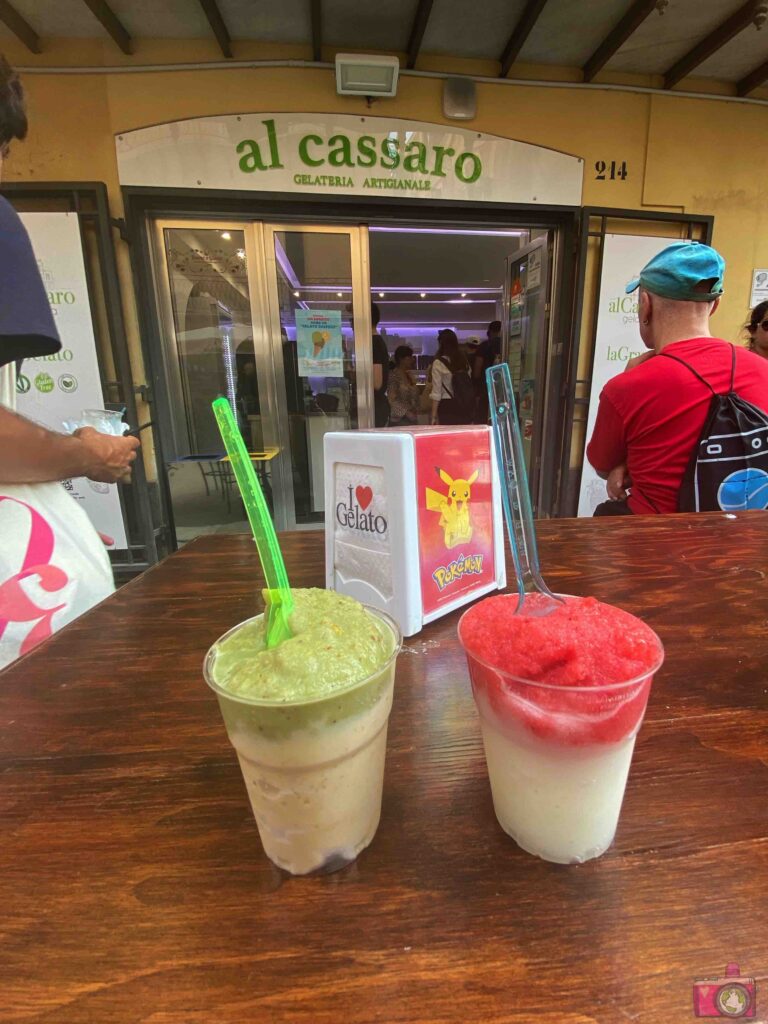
column 759, row 287
column 339, row 153
column 52, row 389
column 618, row 336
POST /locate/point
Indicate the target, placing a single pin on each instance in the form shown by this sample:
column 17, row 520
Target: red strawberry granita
column 561, row 698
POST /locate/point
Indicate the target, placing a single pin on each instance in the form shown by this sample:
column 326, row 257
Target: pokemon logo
column 444, row 575
column 453, row 508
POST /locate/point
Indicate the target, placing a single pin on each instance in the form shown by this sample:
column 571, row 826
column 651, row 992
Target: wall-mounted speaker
column 459, row 99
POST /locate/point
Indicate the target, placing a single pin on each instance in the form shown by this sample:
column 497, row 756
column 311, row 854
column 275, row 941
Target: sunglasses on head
column 763, row 324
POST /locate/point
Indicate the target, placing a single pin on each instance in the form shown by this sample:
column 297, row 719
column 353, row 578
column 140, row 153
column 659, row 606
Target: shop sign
column 618, row 336
column 321, row 153
column 56, row 388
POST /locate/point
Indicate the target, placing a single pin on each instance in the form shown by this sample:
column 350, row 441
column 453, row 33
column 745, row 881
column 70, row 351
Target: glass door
column 212, row 342
column 277, row 317
column 525, row 329
column 320, row 329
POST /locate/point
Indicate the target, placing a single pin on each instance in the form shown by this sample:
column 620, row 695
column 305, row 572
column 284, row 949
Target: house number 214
column 611, row 171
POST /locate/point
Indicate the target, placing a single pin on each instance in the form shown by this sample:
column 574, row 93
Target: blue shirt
column 26, row 323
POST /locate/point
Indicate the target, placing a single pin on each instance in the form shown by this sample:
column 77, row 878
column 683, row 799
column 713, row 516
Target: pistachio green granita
column 335, row 644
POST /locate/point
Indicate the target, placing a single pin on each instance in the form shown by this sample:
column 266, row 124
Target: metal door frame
column 285, row 506
column 542, row 362
column 696, row 226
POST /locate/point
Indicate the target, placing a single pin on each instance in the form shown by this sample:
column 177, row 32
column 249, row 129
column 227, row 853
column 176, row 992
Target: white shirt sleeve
column 440, row 374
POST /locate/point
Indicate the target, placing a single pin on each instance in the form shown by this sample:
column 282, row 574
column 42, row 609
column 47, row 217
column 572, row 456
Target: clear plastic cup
column 106, row 421
column 314, row 769
column 558, row 756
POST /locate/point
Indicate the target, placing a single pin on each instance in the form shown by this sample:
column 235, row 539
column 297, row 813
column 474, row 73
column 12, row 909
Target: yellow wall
column 687, row 155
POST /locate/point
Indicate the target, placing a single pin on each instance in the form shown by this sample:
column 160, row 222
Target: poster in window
column 516, row 303
column 319, row 343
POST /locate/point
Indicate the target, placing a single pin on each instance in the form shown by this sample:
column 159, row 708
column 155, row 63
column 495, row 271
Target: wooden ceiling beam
column 12, row 20
column 752, row 80
column 712, row 43
column 615, row 39
column 219, row 29
column 520, row 33
column 109, row 20
column 316, row 12
column 419, row 27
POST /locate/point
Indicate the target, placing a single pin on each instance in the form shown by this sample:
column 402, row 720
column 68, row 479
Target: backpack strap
column 689, row 367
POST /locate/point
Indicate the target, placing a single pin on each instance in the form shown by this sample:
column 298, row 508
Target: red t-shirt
column 652, row 416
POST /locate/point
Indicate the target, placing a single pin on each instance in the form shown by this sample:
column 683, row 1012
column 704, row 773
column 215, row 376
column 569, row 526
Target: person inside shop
column 651, row 416
column 380, row 371
column 757, row 330
column 403, row 391
column 247, row 383
column 453, row 396
column 53, row 565
column 487, row 354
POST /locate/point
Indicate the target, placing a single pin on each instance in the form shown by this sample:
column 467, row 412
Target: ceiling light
column 226, row 236
column 463, row 295
column 381, row 295
column 423, row 295
column 241, row 253
column 339, row 294
column 296, row 294
column 364, row 74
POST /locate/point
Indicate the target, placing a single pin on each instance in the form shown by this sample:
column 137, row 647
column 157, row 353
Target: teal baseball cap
column 677, row 271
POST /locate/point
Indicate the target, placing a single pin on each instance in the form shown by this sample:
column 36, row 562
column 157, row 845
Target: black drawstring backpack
column 728, row 468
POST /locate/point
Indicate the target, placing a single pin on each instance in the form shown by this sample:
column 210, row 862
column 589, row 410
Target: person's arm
column 438, row 372
column 411, row 395
column 617, row 482
column 380, row 359
column 607, row 447
column 31, row 454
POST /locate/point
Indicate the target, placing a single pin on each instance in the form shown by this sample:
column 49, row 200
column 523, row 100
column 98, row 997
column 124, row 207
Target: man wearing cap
column 650, row 417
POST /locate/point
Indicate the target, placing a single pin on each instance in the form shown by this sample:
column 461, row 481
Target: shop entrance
column 277, row 316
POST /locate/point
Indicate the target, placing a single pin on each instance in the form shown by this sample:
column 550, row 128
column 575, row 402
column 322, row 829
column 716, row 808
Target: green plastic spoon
column 278, row 595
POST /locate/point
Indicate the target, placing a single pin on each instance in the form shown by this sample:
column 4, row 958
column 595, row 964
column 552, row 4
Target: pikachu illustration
column 453, row 508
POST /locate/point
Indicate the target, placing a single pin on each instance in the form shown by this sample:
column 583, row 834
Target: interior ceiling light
column 226, row 236
column 365, row 74
column 423, row 295
column 381, row 295
column 339, row 294
column 463, row 295
column 296, row 294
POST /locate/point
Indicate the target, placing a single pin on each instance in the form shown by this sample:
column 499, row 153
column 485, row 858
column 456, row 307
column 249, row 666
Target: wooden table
column 133, row 889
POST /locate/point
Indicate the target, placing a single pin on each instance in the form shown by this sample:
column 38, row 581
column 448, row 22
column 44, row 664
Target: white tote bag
column 53, row 565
